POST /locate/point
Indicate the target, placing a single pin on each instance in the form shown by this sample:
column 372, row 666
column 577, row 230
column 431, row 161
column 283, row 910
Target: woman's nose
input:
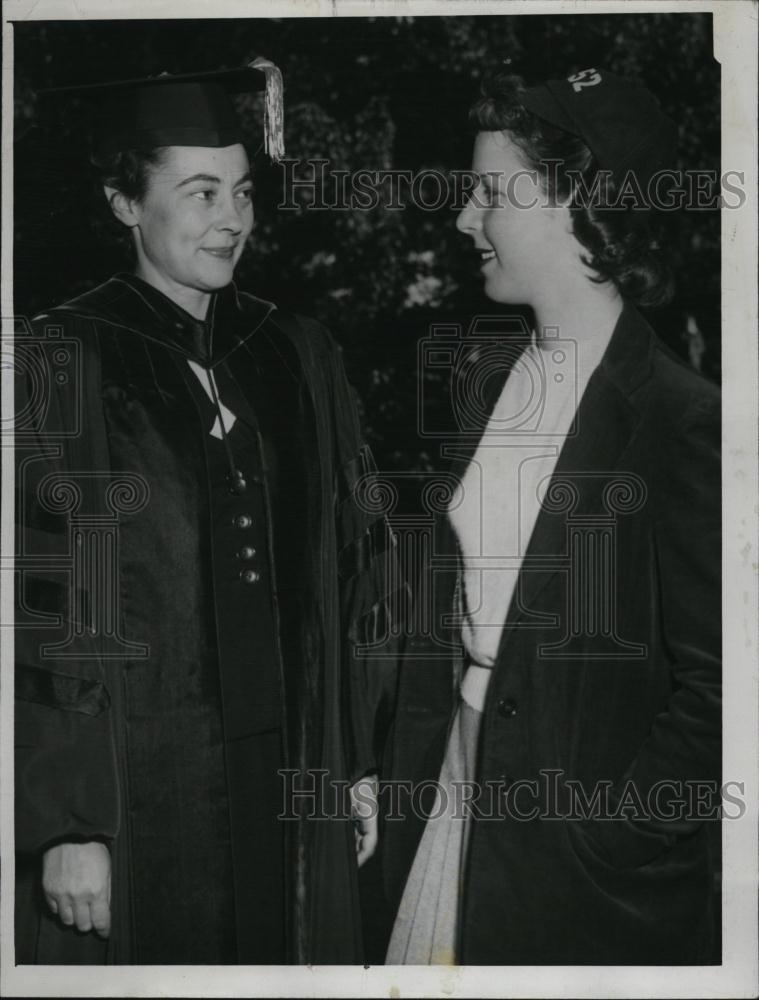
column 230, row 216
column 468, row 219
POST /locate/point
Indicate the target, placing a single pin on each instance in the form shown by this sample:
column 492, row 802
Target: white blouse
column 495, row 507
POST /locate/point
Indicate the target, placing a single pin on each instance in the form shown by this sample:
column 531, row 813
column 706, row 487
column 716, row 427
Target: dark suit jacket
column 607, row 683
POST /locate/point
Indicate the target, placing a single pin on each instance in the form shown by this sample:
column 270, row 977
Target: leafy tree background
column 371, row 93
column 368, row 93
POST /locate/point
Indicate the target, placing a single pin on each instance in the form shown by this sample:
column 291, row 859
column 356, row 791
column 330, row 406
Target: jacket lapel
column 604, row 424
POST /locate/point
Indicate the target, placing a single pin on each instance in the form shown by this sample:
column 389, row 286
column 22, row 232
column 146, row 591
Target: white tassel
column 274, row 114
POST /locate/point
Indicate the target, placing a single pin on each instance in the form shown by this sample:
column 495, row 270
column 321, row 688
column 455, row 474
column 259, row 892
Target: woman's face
column 192, row 224
column 523, row 243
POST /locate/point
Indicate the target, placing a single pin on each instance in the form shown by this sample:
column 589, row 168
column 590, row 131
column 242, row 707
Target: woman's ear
column 121, row 206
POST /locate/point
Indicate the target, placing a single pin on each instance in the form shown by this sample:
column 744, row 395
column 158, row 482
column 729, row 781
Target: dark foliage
column 373, row 93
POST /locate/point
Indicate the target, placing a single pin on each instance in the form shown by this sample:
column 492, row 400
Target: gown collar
column 130, row 302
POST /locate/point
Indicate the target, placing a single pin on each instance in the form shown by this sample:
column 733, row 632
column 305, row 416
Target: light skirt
column 427, row 924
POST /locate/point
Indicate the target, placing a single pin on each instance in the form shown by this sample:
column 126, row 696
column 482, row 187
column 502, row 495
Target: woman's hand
column 76, row 881
column 364, row 810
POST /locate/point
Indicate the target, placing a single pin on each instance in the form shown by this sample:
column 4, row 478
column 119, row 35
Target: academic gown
column 210, row 592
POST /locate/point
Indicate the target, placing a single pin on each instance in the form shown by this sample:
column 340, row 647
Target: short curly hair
column 128, row 171
column 622, row 243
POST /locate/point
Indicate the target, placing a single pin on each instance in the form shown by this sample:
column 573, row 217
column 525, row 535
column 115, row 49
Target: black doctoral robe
column 190, row 609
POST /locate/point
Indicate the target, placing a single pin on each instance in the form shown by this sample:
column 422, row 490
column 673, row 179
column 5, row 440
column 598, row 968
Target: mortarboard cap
column 620, row 121
column 191, row 109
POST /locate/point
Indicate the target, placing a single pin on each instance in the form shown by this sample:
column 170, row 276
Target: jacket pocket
column 61, row 691
column 617, row 843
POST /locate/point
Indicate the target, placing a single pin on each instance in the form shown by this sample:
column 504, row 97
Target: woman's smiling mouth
column 225, row 253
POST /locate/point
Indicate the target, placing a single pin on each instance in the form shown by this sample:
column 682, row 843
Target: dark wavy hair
column 623, row 244
column 128, row 171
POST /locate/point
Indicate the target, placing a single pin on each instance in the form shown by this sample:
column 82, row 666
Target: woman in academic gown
column 575, row 699
column 195, row 572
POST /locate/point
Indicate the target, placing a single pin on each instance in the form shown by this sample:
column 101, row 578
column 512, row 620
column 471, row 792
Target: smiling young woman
column 211, row 444
column 512, row 226
column 578, row 699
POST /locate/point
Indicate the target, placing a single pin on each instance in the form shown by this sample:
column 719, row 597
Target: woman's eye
column 205, row 195
column 486, row 193
column 246, row 194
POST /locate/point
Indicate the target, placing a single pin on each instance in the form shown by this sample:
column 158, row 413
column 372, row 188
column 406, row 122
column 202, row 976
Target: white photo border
column 735, row 35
